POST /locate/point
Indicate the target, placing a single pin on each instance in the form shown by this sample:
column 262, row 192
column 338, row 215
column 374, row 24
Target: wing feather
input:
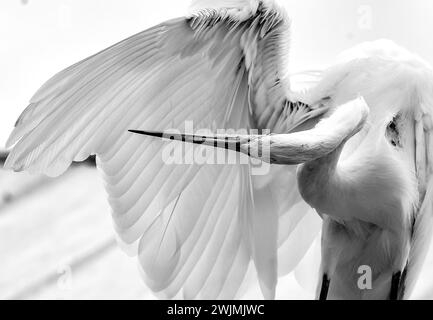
column 195, row 227
column 422, row 227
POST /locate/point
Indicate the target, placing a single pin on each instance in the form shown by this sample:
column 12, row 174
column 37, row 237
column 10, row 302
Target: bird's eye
column 392, row 132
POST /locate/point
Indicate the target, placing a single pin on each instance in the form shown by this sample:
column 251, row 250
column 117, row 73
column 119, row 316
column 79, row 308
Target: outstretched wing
column 195, row 226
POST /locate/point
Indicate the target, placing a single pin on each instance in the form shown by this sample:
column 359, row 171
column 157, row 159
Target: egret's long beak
column 290, row 148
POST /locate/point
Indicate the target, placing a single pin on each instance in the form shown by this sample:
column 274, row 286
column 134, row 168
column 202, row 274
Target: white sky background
column 40, row 37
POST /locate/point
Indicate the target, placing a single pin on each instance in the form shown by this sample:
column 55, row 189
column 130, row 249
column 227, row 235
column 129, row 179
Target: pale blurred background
column 56, row 239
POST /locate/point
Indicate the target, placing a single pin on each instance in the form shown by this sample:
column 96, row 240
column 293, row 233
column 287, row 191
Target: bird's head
column 334, row 129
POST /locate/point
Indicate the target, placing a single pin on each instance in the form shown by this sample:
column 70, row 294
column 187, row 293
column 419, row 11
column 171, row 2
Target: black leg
column 325, row 287
column 402, row 286
column 395, row 284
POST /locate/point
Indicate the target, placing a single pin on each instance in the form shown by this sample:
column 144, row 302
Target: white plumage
column 197, row 229
column 378, row 189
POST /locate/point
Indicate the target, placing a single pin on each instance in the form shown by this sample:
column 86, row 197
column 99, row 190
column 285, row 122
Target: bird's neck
column 318, row 178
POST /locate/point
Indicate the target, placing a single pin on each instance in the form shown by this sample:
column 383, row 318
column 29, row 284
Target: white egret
column 362, row 137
